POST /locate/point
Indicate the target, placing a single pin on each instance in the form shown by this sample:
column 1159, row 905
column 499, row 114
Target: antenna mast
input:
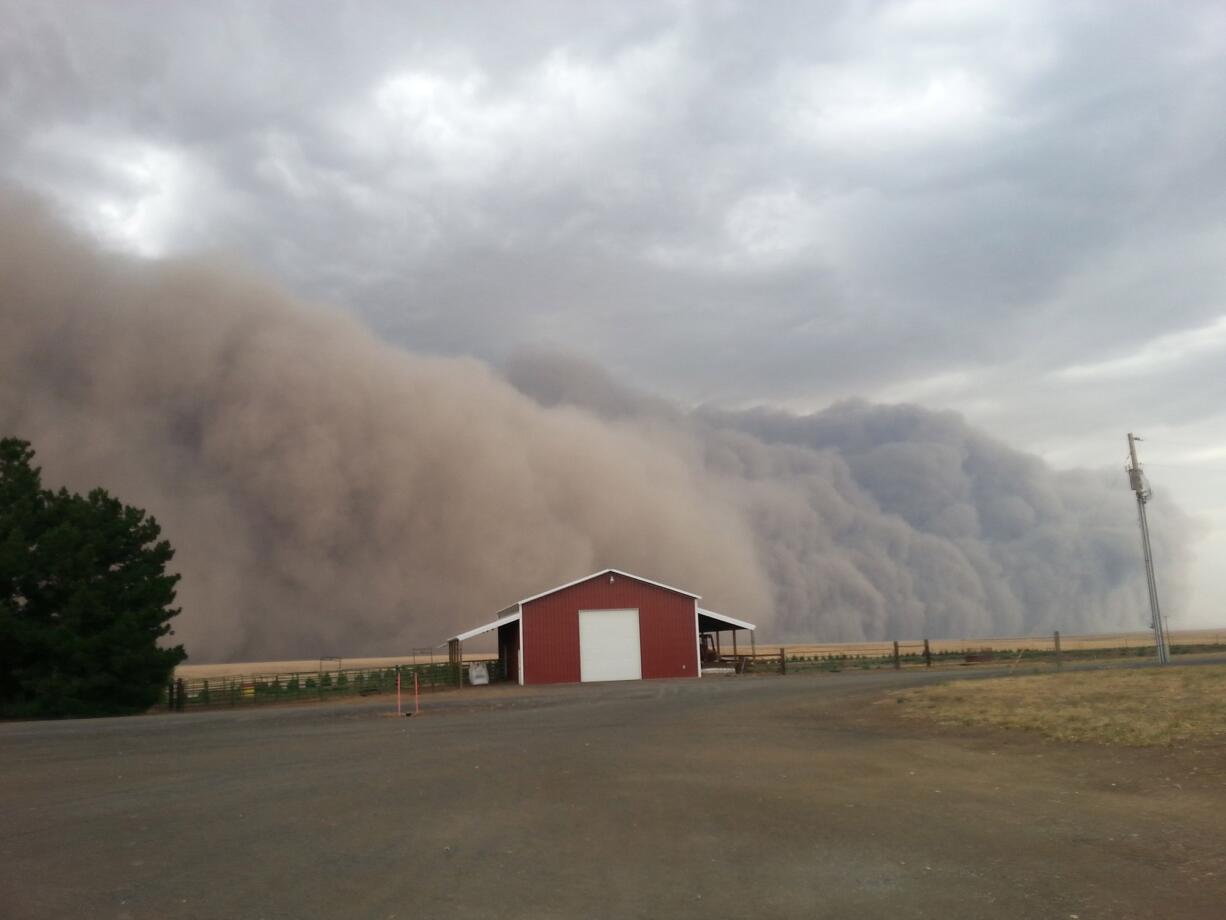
column 1136, row 480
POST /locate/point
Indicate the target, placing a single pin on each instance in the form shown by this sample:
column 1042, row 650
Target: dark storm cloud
column 856, row 194
column 864, row 191
column 961, row 204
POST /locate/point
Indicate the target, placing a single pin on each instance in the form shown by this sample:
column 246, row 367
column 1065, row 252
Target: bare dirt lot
column 804, row 796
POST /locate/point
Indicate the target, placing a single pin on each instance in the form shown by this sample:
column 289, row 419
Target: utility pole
column 1136, row 479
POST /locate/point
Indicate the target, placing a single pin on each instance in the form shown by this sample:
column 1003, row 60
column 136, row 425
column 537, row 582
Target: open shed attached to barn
column 609, row 625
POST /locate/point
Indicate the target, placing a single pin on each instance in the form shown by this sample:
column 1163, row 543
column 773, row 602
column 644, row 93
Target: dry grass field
column 1139, row 708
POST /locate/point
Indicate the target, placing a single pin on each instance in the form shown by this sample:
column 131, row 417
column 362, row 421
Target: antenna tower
column 1136, row 479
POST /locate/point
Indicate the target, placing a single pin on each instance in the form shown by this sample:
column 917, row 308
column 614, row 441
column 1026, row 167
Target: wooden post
column 753, row 645
column 734, row 644
column 897, row 660
column 927, row 654
column 783, row 662
column 1059, row 657
column 455, row 657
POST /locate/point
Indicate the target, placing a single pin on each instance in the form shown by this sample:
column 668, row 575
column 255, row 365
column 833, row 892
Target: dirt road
column 742, row 797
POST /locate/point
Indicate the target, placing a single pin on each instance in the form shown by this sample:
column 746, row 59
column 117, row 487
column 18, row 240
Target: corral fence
column 324, row 683
column 924, row 653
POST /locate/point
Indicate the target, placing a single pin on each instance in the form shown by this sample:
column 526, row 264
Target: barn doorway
column 609, row 645
column 510, row 653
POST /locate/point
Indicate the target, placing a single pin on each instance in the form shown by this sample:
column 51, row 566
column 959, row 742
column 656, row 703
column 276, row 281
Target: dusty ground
column 803, row 796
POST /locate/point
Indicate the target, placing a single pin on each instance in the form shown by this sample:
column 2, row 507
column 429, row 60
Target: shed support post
column 455, row 658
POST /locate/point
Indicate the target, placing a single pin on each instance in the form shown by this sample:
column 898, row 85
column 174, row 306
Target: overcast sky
column 1015, row 210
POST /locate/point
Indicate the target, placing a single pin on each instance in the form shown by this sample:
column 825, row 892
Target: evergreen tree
column 84, row 599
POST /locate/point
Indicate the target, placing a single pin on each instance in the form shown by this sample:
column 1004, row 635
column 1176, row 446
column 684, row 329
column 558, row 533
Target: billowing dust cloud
column 330, row 494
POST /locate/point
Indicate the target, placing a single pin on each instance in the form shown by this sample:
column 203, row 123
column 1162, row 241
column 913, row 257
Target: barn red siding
column 667, row 636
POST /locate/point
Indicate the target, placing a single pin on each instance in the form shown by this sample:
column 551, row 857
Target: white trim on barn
column 520, row 608
column 571, row 584
column 501, row 621
column 723, row 618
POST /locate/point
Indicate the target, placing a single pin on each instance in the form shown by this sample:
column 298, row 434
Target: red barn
column 610, row 625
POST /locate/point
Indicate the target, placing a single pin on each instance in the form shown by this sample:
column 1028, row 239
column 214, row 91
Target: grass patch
column 1141, row 708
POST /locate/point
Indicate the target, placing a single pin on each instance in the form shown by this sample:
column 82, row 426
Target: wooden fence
column 324, row 683
column 925, row 653
column 327, row 683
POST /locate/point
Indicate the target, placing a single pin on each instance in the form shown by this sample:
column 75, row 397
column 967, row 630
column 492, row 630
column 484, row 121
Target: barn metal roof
column 724, row 618
column 577, row 581
column 501, row 621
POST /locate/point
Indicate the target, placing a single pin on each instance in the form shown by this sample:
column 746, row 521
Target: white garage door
column 609, row 645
